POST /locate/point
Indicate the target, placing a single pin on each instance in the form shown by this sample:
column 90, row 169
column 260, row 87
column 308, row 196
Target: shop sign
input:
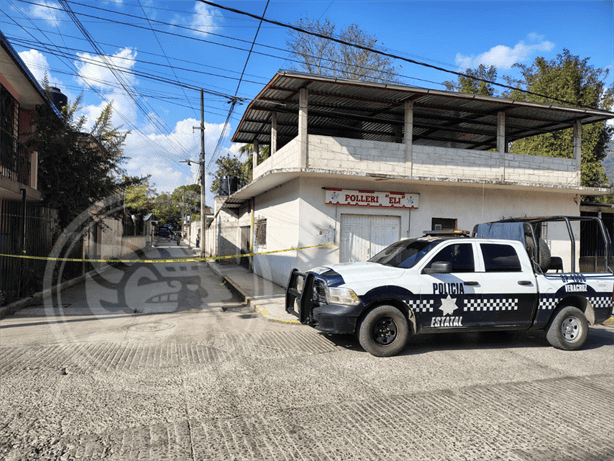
column 371, row 198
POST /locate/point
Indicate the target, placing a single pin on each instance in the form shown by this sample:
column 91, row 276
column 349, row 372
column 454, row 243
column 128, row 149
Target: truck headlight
column 336, row 295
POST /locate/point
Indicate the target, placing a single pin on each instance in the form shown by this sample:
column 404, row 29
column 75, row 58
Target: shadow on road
column 598, row 337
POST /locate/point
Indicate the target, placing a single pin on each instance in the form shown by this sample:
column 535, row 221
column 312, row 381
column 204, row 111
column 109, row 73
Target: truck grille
column 319, row 289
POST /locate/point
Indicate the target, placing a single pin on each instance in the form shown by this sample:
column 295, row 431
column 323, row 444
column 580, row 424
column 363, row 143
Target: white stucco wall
column 280, row 207
column 296, row 213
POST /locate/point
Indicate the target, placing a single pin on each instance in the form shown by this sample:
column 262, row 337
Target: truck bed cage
column 533, row 221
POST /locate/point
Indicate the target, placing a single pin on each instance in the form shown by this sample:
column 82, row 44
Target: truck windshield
column 405, row 253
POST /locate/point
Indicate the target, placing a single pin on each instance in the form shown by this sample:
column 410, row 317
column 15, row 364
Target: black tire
column 568, row 330
column 544, row 252
column 384, row 331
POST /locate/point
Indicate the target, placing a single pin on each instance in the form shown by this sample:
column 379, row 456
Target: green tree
column 139, row 199
column 322, row 56
column 76, row 168
column 227, row 165
column 473, row 81
column 191, row 195
column 248, row 164
column 574, row 80
column 167, row 207
column 166, row 210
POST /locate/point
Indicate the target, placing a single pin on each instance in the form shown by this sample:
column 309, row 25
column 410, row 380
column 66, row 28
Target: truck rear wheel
column 384, row 331
column 568, row 330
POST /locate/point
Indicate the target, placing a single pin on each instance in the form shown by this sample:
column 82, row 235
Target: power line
column 152, row 54
column 71, row 65
column 167, row 60
column 383, row 53
column 130, row 59
column 155, row 121
column 226, row 45
column 234, row 101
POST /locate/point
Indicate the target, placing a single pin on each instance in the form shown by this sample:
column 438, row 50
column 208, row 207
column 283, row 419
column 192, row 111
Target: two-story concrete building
column 24, row 223
column 361, row 165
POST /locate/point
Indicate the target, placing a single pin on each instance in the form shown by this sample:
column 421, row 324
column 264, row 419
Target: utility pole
column 183, row 213
column 201, row 163
column 203, row 218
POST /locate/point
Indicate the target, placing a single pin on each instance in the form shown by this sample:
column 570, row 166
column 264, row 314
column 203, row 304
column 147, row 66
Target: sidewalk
column 266, row 298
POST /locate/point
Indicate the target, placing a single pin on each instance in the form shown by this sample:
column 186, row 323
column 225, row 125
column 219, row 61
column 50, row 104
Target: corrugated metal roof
column 375, row 111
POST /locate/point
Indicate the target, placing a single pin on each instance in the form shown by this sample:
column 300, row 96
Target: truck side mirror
column 439, row 267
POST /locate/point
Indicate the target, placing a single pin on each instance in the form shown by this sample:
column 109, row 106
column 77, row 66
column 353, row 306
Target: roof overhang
column 16, row 74
column 376, row 111
column 275, row 178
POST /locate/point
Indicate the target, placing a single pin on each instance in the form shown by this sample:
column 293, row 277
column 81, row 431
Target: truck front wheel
column 384, row 331
column 568, row 330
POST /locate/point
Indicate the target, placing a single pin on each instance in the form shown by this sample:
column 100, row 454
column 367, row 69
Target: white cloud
column 158, row 155
column 205, row 19
column 94, row 69
column 37, row 63
column 48, row 11
column 503, row 57
column 94, row 72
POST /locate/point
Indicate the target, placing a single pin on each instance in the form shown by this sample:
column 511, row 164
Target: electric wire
column 69, row 64
column 165, row 55
column 343, row 42
column 234, row 101
column 384, row 53
column 130, row 90
column 286, row 58
column 28, row 43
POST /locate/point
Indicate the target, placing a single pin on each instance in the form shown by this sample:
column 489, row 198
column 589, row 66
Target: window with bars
column 9, row 119
column 261, row 232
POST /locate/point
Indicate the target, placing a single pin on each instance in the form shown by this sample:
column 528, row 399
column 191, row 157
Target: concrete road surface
column 143, row 364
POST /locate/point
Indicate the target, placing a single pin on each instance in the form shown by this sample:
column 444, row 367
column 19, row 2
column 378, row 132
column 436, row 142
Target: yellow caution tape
column 161, row 261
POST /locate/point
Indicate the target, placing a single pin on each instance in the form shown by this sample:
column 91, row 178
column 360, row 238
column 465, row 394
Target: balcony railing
column 441, row 163
column 14, row 165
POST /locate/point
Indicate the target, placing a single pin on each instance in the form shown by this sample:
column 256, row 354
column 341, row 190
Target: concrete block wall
column 330, row 153
column 288, row 156
column 443, row 162
column 333, row 153
column 541, row 170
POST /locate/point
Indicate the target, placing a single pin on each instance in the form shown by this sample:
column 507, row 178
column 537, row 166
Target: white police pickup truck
column 430, row 284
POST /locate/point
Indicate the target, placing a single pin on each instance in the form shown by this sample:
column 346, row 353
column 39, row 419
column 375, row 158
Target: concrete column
column 302, row 127
column 273, row 133
column 577, row 145
column 501, row 143
column 408, row 137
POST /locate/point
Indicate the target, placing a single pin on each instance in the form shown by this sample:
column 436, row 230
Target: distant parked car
column 164, row 232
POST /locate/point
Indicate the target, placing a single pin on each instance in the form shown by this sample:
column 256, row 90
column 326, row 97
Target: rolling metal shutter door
column 363, row 236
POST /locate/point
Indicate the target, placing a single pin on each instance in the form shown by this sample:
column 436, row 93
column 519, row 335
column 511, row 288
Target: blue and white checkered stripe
column 548, row 303
column 420, row 305
column 492, row 304
column 600, row 302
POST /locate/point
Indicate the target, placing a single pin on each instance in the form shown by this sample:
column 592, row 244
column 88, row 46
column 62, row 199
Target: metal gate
column 363, row 236
column 22, row 277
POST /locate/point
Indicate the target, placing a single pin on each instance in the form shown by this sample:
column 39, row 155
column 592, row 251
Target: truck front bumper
column 306, row 305
column 338, row 319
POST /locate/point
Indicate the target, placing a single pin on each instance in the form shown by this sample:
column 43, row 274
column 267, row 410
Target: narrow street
column 162, row 362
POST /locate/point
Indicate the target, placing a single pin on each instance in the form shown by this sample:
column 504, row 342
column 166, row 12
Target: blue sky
column 193, row 45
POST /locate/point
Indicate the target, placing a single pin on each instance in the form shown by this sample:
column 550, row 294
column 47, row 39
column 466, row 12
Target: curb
column 261, row 311
column 38, row 297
